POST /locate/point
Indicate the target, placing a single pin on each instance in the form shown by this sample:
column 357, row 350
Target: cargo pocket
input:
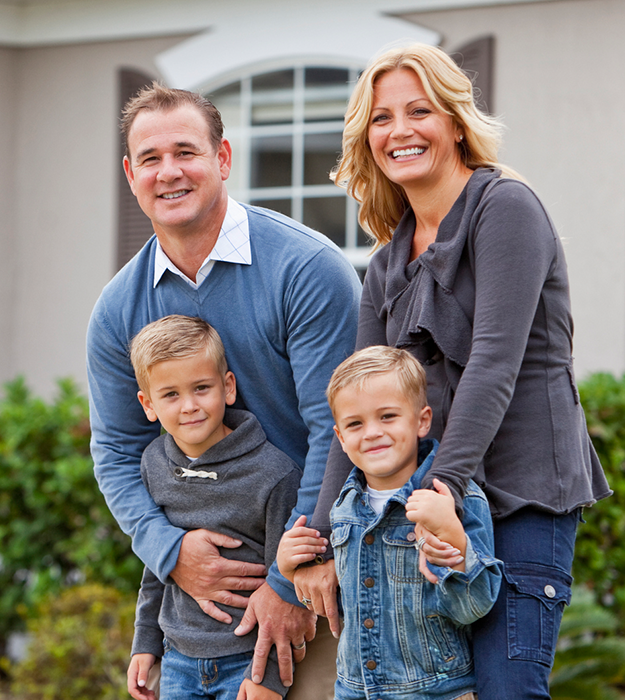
column 536, row 596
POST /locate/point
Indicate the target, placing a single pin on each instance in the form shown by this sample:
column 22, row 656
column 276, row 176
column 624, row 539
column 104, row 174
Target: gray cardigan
column 248, row 492
column 486, row 310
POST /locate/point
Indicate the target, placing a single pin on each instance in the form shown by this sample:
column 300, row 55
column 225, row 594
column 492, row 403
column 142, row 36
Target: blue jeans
column 515, row 643
column 185, row 678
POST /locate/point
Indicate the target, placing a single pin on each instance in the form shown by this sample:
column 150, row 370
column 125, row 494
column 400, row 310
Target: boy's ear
column 340, row 437
column 144, row 400
column 425, row 421
column 230, row 384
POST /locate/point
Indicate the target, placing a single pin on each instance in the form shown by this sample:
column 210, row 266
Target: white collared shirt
column 233, row 246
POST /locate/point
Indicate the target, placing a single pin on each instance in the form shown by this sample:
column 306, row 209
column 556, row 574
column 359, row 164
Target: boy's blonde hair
column 380, row 359
column 174, row 337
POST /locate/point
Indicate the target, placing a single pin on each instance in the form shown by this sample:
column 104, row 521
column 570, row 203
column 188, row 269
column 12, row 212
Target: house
column 280, row 71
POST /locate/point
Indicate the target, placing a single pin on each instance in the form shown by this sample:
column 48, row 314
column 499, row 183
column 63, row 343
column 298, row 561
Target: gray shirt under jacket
column 486, row 310
column 247, row 491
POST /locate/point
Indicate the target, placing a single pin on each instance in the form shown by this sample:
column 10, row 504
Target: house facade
column 281, row 72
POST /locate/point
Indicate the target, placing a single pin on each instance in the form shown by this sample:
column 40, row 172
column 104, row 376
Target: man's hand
column 318, row 584
column 138, row 671
column 251, row 691
column 280, row 623
column 298, row 545
column 207, row 576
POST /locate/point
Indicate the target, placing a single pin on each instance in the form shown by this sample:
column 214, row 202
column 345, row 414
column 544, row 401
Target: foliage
column 590, row 659
column 600, row 550
column 55, row 528
column 80, row 647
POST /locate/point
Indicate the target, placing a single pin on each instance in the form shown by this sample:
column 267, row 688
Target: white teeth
column 408, row 152
column 174, row 195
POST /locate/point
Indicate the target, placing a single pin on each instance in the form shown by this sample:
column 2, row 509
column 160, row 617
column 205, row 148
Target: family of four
column 430, row 483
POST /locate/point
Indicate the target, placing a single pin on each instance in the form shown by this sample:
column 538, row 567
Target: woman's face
column 413, row 143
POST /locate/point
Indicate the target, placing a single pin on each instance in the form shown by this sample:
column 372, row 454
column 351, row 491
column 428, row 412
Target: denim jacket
column 403, row 635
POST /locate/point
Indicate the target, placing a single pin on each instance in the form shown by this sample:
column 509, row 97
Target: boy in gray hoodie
column 214, row 469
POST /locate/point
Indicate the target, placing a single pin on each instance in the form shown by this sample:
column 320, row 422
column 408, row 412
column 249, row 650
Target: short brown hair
column 380, row 359
column 157, row 97
column 174, row 337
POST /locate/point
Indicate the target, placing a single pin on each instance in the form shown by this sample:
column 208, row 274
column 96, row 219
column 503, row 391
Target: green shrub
column 55, row 528
column 80, row 647
column 600, row 550
column 590, row 658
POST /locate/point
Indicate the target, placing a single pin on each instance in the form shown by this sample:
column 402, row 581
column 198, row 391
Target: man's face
column 175, row 171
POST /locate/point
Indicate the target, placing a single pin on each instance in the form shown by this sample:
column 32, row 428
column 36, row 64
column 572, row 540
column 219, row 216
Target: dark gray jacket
column 248, row 492
column 486, row 310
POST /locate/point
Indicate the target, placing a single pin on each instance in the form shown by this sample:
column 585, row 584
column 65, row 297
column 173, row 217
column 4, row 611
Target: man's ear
column 144, row 400
column 130, row 176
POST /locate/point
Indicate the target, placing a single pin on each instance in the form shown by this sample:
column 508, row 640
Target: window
column 285, row 127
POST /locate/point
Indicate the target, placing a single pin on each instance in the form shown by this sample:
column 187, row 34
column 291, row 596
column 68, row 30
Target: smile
column 407, row 152
column 174, row 195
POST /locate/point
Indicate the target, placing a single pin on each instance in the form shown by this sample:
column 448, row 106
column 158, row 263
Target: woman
column 472, row 280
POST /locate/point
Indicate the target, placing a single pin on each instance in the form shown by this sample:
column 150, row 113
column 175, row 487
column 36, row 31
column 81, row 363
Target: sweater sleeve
column 148, row 637
column 514, row 250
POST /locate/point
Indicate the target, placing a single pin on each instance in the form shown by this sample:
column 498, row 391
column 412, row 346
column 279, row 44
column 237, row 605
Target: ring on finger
column 421, row 542
column 299, row 646
column 306, row 602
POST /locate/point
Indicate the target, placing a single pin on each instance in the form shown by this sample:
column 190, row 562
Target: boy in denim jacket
column 403, row 636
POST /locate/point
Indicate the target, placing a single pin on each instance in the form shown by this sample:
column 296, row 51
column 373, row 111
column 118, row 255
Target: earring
column 460, row 137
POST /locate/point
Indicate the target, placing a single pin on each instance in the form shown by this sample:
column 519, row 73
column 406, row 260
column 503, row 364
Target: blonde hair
column 380, row 359
column 450, row 91
column 174, row 337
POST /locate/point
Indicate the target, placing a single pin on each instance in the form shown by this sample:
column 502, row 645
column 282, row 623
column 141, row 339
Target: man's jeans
column 185, row 678
column 513, row 646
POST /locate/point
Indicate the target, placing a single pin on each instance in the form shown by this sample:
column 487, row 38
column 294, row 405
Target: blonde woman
column 470, row 277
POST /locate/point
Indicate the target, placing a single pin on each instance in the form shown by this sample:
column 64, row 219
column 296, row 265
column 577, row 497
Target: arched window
column 285, row 127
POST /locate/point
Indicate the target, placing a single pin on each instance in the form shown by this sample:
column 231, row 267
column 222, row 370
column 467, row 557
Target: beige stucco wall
column 7, row 219
column 63, row 182
column 559, row 87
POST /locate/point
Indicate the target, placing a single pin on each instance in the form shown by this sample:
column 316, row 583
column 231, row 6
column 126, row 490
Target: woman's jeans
column 514, row 644
column 185, row 678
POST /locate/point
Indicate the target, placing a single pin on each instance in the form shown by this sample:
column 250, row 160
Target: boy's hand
column 251, row 691
column 438, row 529
column 138, row 670
column 298, row 545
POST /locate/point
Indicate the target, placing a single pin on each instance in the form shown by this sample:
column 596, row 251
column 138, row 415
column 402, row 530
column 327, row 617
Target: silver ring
column 306, row 602
column 421, row 542
column 299, row 646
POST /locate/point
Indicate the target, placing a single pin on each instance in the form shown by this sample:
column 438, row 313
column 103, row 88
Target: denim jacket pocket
column 535, row 593
column 402, row 557
column 339, row 537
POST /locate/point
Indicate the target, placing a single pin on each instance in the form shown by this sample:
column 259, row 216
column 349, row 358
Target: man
column 284, row 301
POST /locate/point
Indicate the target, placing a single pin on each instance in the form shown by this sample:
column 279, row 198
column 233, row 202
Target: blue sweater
column 286, row 321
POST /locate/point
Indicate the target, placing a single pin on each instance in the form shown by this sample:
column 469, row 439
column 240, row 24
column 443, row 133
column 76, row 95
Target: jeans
column 185, row 678
column 515, row 643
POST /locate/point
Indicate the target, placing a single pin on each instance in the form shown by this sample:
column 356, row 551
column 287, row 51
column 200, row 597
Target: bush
column 80, row 647
column 600, row 550
column 55, row 527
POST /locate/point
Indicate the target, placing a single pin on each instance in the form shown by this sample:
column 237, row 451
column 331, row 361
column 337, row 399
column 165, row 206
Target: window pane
column 228, row 101
column 327, row 215
column 326, row 76
column 272, row 98
column 320, row 154
column 281, row 205
column 271, row 161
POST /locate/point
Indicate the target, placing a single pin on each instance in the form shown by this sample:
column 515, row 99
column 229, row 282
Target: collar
column 232, row 246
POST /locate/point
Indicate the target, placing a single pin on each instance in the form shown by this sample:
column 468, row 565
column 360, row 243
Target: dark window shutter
column 133, row 226
column 477, row 60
